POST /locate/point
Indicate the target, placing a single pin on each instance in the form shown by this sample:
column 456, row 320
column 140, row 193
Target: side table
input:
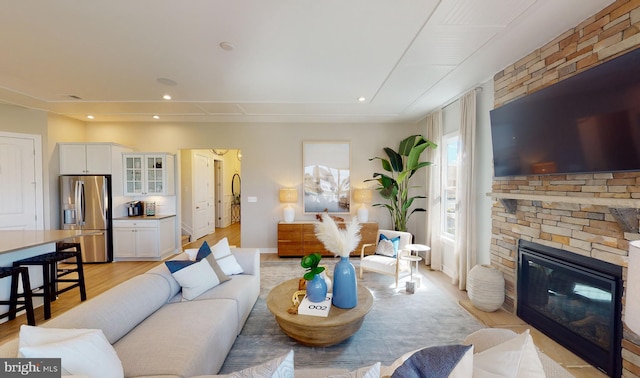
column 420, row 250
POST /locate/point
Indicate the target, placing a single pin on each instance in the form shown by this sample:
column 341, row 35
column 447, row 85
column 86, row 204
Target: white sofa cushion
column 182, row 339
column 118, row 310
column 82, row 351
column 194, row 277
column 279, row 367
column 514, row 358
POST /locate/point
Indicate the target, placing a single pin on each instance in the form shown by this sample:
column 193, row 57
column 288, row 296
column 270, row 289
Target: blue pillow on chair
column 383, row 246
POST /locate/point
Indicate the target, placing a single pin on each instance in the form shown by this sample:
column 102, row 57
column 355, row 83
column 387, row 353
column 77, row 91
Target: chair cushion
column 383, row 264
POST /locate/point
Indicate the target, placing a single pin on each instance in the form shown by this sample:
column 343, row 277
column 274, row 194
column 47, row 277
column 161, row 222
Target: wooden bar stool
column 15, row 304
column 51, row 275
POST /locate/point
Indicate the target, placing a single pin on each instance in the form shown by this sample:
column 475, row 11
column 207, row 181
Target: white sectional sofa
column 155, row 333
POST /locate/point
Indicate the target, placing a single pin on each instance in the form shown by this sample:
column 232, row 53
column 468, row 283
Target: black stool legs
column 15, row 304
column 51, row 274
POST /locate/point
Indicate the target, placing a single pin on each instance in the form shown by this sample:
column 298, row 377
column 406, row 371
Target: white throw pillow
column 225, row 259
column 385, row 248
column 280, row 367
column 516, row 357
column 194, row 277
column 372, row 371
column 85, row 352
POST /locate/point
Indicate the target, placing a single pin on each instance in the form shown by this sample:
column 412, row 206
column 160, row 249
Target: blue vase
column 317, row 289
column 345, row 286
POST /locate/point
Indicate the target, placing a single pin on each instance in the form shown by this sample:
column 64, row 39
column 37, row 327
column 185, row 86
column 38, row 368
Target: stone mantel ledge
column 609, row 202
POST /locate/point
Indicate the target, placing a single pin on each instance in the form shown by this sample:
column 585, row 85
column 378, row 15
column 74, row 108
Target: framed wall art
column 325, row 175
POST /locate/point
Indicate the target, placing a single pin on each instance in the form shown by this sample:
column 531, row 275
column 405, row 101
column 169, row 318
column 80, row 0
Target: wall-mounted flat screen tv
column 587, row 123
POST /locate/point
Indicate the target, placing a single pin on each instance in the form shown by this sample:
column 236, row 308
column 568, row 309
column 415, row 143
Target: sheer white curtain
column 434, row 200
column 464, row 247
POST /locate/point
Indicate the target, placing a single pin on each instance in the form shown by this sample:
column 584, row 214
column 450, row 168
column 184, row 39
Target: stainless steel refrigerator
column 85, row 204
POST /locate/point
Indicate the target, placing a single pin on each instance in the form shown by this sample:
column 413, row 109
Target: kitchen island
column 19, row 240
column 20, row 244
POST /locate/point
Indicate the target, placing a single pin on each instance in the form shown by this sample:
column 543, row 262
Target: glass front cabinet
column 149, row 174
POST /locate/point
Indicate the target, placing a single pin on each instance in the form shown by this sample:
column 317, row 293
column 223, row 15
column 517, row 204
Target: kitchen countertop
column 13, row 240
column 146, row 217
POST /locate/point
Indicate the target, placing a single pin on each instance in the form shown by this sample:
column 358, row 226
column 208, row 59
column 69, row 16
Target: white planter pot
column 485, row 287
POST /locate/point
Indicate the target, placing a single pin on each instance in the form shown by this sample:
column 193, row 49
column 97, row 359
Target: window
column 449, row 181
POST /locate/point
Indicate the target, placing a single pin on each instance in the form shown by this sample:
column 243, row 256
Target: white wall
column 271, row 159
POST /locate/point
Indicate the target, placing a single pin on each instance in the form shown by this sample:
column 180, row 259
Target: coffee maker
column 135, row 208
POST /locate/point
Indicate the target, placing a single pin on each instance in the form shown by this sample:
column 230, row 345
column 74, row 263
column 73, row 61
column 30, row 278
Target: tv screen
column 587, row 123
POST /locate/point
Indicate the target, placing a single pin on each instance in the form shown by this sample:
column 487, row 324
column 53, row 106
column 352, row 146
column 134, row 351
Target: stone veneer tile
column 591, row 230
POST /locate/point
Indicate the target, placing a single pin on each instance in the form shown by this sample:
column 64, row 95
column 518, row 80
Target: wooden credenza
column 299, row 239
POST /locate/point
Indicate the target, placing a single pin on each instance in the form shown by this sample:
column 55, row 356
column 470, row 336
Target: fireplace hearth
column 573, row 299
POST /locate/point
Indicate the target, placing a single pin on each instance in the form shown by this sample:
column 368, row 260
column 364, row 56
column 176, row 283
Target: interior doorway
column 207, row 190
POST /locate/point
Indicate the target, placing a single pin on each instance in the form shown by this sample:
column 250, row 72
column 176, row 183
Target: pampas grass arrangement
column 340, row 242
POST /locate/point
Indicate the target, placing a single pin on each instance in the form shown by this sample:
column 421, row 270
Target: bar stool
column 14, row 303
column 51, row 275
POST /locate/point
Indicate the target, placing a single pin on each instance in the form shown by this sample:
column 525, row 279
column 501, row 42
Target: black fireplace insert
column 573, row 299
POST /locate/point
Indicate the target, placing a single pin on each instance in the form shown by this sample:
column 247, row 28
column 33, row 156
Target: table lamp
column 289, row 196
column 632, row 304
column 363, row 196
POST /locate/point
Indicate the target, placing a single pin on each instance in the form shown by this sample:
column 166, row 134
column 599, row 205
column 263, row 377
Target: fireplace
column 573, row 299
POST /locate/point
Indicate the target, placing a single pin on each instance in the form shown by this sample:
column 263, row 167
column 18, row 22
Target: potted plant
column 393, row 185
column 316, row 286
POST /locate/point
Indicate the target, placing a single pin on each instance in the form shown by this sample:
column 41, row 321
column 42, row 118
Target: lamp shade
column 632, row 304
column 363, row 195
column 288, row 195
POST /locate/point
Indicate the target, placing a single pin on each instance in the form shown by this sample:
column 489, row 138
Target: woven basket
column 485, row 287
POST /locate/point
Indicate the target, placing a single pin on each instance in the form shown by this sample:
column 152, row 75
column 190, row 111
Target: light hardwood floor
column 101, row 277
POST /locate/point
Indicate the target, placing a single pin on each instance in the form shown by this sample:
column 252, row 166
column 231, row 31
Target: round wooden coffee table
column 317, row 330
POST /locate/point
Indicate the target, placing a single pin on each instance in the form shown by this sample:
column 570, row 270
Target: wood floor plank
column 101, row 277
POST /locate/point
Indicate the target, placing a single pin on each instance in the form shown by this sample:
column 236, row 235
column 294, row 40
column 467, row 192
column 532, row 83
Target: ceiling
column 285, row 60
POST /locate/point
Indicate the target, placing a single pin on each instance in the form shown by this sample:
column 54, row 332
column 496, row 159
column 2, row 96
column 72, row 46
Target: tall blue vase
column 345, row 286
column 317, row 289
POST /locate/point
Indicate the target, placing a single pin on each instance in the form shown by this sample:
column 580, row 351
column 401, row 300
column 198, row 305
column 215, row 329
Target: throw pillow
column 394, row 241
column 518, row 358
column 205, row 253
column 451, row 361
column 280, row 367
column 194, row 277
column 84, row 352
column 372, row 371
column 385, row 248
column 225, row 258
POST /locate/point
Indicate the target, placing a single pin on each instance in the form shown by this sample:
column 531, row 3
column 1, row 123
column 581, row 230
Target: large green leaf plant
column 393, row 185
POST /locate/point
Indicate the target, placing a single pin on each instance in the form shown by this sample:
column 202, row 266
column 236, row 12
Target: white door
column 200, row 194
column 20, row 182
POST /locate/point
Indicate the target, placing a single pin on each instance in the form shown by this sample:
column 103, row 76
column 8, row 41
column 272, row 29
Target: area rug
column 398, row 322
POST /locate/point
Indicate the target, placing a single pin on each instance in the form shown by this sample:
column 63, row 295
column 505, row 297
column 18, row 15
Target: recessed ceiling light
column 90, row 116
column 362, row 99
column 227, row 46
column 167, row 97
column 156, row 117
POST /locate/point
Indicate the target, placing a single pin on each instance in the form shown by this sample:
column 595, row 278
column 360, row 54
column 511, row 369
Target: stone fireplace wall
column 570, row 212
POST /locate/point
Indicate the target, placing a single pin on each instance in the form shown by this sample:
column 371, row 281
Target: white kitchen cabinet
column 148, row 174
column 85, row 158
column 145, row 238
